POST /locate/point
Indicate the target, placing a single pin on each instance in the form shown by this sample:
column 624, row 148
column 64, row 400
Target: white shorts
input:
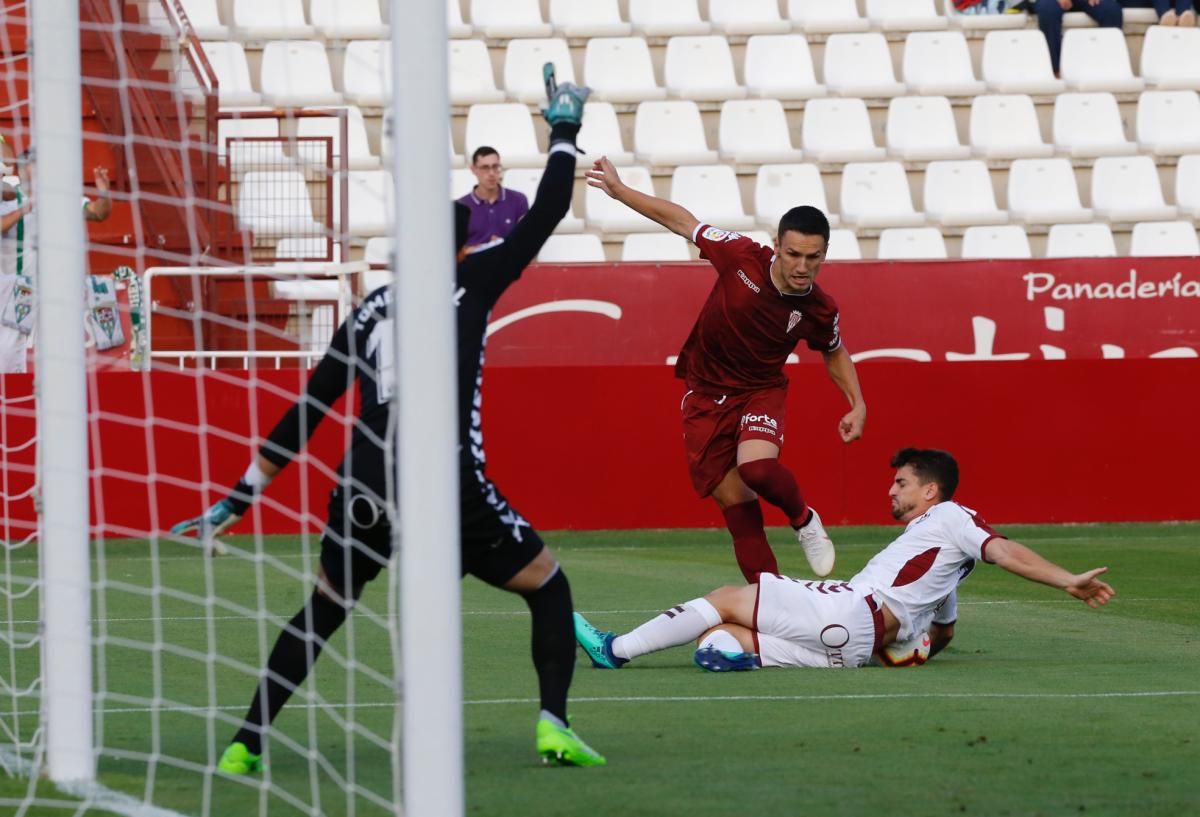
column 803, row 623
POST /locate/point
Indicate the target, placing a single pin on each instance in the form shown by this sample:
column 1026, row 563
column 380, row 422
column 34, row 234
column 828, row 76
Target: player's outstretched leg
column 770, row 479
column 671, row 628
column 750, row 546
column 597, row 644
column 720, row 651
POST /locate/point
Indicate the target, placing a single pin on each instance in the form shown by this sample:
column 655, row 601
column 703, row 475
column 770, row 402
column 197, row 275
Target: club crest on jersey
column 794, row 319
column 713, row 234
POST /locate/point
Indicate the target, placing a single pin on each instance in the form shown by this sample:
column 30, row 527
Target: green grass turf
column 1040, row 707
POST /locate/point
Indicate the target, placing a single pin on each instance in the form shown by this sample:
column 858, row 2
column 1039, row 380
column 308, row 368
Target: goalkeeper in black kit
column 498, row 545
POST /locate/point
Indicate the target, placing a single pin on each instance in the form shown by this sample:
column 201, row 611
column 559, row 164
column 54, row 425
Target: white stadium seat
column 670, row 133
column 753, row 131
column 202, row 14
column 601, row 134
column 568, row 249
column 860, row 65
column 275, row 203
column 1080, row 241
column 1164, row 238
column 462, row 182
column 876, row 194
column 1098, row 60
column 700, row 69
column 838, row 130
column 1044, row 191
column 228, row 62
column 378, row 250
column 523, row 61
column 1168, row 122
column 905, row 15
column 739, row 17
column 1006, row 241
column 761, row 237
column 711, row 193
column 921, row 128
column 843, row 246
column 369, row 203
column 525, row 180
column 1187, row 185
column 509, row 18
column 618, row 69
column 655, row 247
column 270, row 20
column 779, row 188
column 508, row 128
column 1089, row 125
column 938, row 62
column 349, row 19
column 1018, row 62
column 960, row 193
column 367, row 73
column 588, row 18
column 1126, row 188
column 296, row 73
column 1171, row 58
column 1005, row 126
column 780, row 67
column 609, row 215
column 359, row 156
column 471, row 78
column 456, row 28
column 248, row 155
column 667, row 18
column 826, row 16
column 901, row 243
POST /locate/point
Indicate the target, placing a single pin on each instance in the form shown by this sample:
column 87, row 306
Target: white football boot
column 818, row 547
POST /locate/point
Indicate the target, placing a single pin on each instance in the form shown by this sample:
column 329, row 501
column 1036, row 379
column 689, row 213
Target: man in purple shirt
column 495, row 210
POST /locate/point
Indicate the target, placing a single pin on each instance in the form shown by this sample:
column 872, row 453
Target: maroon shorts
column 713, row 427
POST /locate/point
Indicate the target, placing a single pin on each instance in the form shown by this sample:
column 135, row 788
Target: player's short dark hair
column 930, row 465
column 805, row 219
column 481, row 151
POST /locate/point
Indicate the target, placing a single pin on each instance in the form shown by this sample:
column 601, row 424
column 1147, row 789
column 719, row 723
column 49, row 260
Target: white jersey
column 917, row 571
column 19, row 242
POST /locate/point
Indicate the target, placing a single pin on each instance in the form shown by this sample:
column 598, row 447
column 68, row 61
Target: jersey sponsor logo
column 794, row 319
column 760, row 420
column 753, row 286
column 713, row 234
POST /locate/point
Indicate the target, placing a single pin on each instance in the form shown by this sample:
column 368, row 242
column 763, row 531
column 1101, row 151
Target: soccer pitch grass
column 1039, row 707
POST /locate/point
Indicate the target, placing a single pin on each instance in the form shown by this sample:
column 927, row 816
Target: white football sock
column 722, row 640
column 679, row 625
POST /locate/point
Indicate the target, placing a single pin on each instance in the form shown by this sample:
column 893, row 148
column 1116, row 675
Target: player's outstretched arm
column 678, row 220
column 842, row 372
column 1023, row 561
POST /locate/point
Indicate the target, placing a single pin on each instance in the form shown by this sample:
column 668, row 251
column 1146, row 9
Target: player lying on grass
column 497, row 546
column 786, row 622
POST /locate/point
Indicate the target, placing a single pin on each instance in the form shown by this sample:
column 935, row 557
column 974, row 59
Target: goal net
column 151, row 343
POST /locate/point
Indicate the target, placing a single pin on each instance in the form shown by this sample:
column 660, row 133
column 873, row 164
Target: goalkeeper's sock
column 770, row 479
column 294, row 653
column 750, row 546
column 553, row 642
column 679, row 625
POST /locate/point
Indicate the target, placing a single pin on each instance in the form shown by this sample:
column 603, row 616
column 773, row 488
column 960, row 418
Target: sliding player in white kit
column 786, row 622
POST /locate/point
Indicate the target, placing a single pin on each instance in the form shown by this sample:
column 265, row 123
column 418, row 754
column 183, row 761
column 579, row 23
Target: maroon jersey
column 747, row 327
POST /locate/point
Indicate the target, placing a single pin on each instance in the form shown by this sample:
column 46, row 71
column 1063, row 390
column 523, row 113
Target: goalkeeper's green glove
column 566, row 100
column 223, row 515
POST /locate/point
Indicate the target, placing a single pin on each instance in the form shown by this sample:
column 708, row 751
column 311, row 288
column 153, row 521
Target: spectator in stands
column 495, row 209
column 1050, row 13
column 1170, row 12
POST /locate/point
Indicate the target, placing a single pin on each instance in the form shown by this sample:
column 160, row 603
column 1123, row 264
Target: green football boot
column 556, row 744
column 237, row 759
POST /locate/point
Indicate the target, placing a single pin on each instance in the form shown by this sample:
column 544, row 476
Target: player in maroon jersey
column 764, row 302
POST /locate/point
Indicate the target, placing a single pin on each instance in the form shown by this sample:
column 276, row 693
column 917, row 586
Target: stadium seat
column 618, row 69
column 385, row 153
column 609, row 215
column 655, row 247
column 1098, row 60
column 1164, row 238
column 276, row 20
column 369, row 203
column 900, row 243
column 508, row 127
column 523, row 61
column 202, row 14
column 601, row 134
column 462, row 182
column 982, row 22
column 826, row 16
column 838, row 130
column 711, row 193
column 843, row 246
column 1187, row 185
column 275, row 203
column 860, row 65
column 762, row 237
column 667, row 18
column 456, row 28
column 739, row 17
column 367, row 74
column 509, row 18
column 351, row 19
column 753, row 131
column 876, row 194
column 905, row 15
column 359, row 156
column 296, row 74
column 1080, row 241
column 1018, row 62
column 1089, row 125
column 1006, row 127
column 1007, row 241
column 780, row 67
column 700, row 69
column 378, row 250
column 1043, row 191
column 779, row 188
column 670, row 133
column 471, row 78
column 526, row 180
column 228, row 62
column 938, row 62
column 1168, row 122
column 920, row 128
column 960, row 193
column 249, row 155
column 306, row 246
column 568, row 249
column 1171, row 58
column 588, row 18
column 1126, row 188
